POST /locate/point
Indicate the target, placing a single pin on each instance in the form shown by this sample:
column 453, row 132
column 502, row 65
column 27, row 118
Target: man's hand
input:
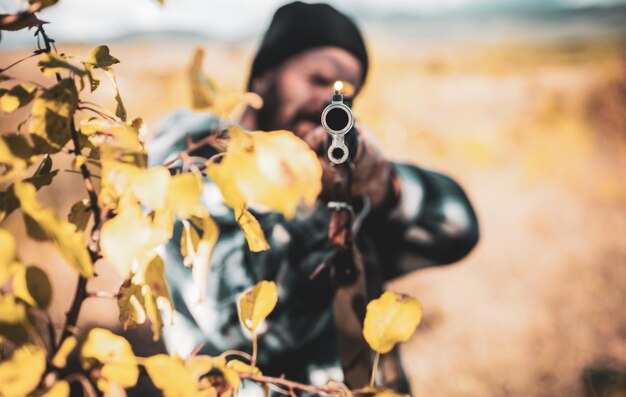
column 372, row 171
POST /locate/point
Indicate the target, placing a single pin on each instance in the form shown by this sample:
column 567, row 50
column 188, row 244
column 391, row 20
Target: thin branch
column 80, row 173
column 103, row 295
column 213, row 139
column 329, row 389
column 2, row 70
column 98, row 112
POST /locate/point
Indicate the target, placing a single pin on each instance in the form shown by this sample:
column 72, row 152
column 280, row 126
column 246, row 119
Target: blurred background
column 523, row 102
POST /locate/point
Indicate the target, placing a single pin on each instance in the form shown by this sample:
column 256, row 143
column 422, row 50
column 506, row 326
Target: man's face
column 295, row 92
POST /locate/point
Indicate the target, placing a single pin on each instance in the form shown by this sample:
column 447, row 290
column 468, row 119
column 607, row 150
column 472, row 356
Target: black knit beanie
column 299, row 26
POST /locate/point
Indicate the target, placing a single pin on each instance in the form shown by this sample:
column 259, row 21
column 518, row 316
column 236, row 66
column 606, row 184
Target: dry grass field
column 536, row 134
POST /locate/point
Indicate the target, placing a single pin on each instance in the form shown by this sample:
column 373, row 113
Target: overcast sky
column 93, row 20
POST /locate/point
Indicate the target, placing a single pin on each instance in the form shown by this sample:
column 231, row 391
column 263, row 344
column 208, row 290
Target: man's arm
column 430, row 223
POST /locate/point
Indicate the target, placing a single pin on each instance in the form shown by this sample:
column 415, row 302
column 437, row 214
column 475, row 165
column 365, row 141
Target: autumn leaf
column 32, row 285
column 202, row 257
column 151, row 186
column 101, row 58
column 113, row 133
column 14, row 322
column 391, row 319
column 155, row 293
column 233, row 197
column 125, row 237
column 273, row 169
column 170, row 376
column 189, row 243
column 60, row 357
column 15, row 380
column 71, row 243
column 18, row 96
column 243, row 368
column 257, row 303
column 8, row 262
column 131, row 305
column 51, row 114
column 203, row 90
column 114, row 354
column 51, row 63
column 184, row 193
column 79, row 214
column 60, row 388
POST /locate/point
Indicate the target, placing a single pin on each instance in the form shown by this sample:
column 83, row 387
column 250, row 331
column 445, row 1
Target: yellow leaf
column 51, row 63
column 32, row 285
column 60, row 357
column 153, row 274
column 51, row 114
column 272, row 169
column 131, row 305
column 15, row 324
column 202, row 258
column 391, row 319
column 100, row 57
column 20, row 374
column 199, row 365
column 101, row 346
column 154, row 314
column 18, row 96
column 125, row 237
column 155, row 293
column 230, row 375
column 257, row 303
column 60, row 388
column 8, row 263
column 184, row 193
column 225, row 180
column 243, row 368
column 113, row 133
column 151, row 186
column 78, row 162
column 170, row 376
column 252, row 230
column 71, row 243
column 189, row 243
column 203, row 90
column 162, row 226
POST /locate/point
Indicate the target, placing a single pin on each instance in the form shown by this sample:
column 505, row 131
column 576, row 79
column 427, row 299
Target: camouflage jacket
column 432, row 224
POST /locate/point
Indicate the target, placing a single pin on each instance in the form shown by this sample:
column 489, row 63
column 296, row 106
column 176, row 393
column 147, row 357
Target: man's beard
column 268, row 117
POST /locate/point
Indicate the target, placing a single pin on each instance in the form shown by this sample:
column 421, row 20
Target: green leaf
column 32, row 285
column 18, row 96
column 52, row 63
column 100, row 57
column 52, row 113
column 70, row 243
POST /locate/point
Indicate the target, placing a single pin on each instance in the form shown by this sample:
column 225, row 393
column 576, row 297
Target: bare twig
column 329, row 389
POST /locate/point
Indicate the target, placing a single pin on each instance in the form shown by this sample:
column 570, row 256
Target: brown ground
column 537, row 136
